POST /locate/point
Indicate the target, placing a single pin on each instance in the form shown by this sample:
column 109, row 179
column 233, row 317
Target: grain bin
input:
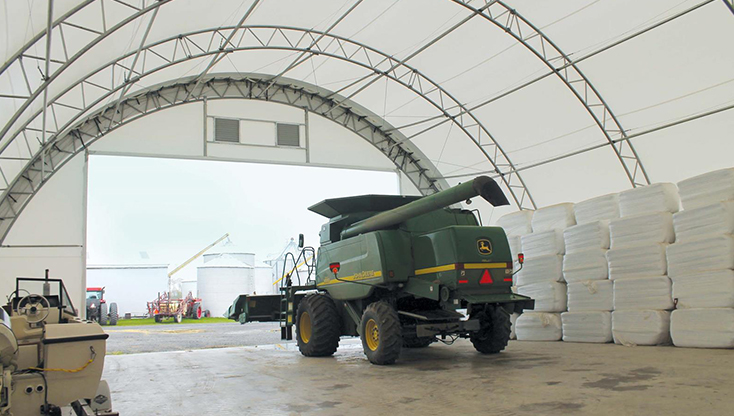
column 222, row 278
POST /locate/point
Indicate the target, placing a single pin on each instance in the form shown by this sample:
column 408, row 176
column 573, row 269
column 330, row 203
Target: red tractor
column 97, row 307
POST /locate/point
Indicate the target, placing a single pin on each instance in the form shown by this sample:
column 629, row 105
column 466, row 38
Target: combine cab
column 398, row 271
column 97, row 307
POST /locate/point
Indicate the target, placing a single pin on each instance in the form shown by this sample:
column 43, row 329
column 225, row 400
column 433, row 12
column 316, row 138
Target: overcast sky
column 170, row 209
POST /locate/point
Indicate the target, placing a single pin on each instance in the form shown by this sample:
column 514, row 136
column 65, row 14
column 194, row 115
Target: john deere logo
column 484, row 246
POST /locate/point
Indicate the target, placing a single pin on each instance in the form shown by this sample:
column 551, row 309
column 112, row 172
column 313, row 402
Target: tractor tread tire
column 114, row 315
column 197, row 312
column 495, row 332
column 325, row 326
column 391, row 338
column 102, row 320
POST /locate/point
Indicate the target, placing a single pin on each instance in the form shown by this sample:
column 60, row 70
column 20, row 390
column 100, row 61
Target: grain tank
column 396, row 270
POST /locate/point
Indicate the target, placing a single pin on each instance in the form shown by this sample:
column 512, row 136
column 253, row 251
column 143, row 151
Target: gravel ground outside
column 157, row 338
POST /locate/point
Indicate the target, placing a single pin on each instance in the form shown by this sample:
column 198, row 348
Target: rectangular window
column 288, row 135
column 226, row 130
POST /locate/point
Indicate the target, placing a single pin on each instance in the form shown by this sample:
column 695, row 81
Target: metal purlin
column 76, row 139
column 532, row 38
column 202, row 43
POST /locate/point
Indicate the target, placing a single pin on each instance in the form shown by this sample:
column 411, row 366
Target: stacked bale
column 637, row 264
column 542, row 275
column 701, row 262
column 585, row 271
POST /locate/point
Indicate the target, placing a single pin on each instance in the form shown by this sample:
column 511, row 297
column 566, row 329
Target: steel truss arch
column 206, row 42
column 532, row 38
column 408, row 159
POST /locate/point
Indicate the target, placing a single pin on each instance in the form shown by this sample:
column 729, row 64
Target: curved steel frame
column 204, row 42
column 524, row 32
column 221, row 86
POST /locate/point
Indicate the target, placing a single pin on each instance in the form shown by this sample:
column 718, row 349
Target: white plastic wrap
column 658, row 197
column 703, row 328
column 713, row 289
column 515, row 245
column 646, row 260
column 585, row 265
column 704, row 254
column 691, row 224
column 587, row 236
column 647, row 327
column 513, row 324
column 541, row 269
column 517, row 223
column 642, row 229
column 554, row 217
column 591, row 295
column 587, row 327
column 549, row 296
column 605, row 207
column 643, row 293
column 543, row 243
column 534, row 326
column 707, row 189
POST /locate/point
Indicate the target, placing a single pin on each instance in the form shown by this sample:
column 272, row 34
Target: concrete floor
column 529, row 378
column 179, row 337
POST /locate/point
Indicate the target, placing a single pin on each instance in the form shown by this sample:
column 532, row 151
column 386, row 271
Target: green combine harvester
column 395, row 270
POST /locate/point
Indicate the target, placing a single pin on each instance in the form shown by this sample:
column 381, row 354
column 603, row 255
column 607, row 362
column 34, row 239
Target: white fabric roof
column 653, row 63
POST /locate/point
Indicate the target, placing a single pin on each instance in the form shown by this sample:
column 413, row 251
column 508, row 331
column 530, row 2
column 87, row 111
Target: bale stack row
column 638, row 266
column 542, row 275
column 701, row 262
column 589, row 290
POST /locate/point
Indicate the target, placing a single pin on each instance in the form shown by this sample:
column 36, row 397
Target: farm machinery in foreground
column 396, row 271
column 49, row 357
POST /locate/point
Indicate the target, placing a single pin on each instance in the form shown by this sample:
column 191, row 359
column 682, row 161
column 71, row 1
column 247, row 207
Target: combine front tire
column 114, row 315
column 495, row 330
column 318, row 326
column 381, row 333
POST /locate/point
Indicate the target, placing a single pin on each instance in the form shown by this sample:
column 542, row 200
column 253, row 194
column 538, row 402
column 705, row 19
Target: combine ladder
column 288, row 290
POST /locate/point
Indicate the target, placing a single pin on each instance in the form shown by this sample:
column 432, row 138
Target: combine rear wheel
column 114, row 315
column 318, row 326
column 381, row 334
column 495, row 330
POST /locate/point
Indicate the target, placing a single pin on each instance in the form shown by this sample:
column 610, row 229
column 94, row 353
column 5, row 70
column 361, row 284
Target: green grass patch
column 151, row 321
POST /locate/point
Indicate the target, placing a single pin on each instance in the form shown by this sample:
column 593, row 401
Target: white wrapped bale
column 543, row 243
column 517, row 223
column 713, row 289
column 646, row 260
column 534, row 326
column 638, row 293
column 691, row 224
column 515, row 245
column 541, row 269
column 591, row 295
column 548, row 296
column 587, row 236
column 605, row 207
column 705, row 254
column 646, row 327
column 554, row 217
column 642, row 229
column 658, row 197
column 703, row 328
column 585, row 265
column 593, row 327
column 707, row 189
column 513, row 324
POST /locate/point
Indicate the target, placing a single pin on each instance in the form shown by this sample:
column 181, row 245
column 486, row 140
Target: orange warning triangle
column 486, row 278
